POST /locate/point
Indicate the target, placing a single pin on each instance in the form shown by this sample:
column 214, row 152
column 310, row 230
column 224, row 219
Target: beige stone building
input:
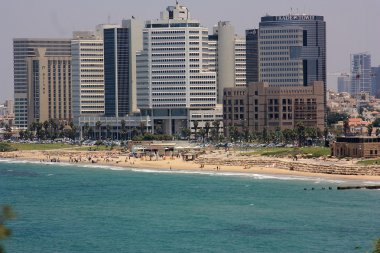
column 357, row 146
column 49, row 87
column 234, row 108
column 262, row 105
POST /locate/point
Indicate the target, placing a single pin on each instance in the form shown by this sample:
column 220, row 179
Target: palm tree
column 300, row 130
column 32, row 126
column 207, row 128
column 369, row 129
column 90, row 131
column 123, row 129
column 216, row 125
column 325, row 136
column 142, row 127
column 233, row 133
column 108, row 128
column 346, row 126
column 278, row 136
column 289, row 135
column 246, row 134
column 265, row 135
column 86, row 129
column 53, row 127
column 195, row 124
column 186, row 132
column 202, row 133
column 98, row 126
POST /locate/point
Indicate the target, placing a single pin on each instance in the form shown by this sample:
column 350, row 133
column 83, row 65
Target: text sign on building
column 295, row 17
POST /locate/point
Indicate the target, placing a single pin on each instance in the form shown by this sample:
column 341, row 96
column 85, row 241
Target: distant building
column 263, row 106
column 361, row 74
column 357, row 125
column 342, row 102
column 6, row 113
column 375, row 78
column 344, row 83
column 49, row 87
column 23, row 48
column 358, row 147
column 9, row 105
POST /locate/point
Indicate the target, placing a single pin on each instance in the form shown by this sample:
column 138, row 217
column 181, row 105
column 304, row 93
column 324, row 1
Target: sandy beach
column 216, row 161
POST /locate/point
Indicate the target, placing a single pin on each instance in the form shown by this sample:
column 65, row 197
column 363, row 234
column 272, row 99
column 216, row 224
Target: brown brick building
column 358, row 146
column 261, row 105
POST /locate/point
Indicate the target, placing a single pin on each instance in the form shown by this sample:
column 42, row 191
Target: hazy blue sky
column 352, row 26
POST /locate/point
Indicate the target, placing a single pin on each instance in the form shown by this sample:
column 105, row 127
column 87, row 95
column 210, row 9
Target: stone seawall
column 296, row 166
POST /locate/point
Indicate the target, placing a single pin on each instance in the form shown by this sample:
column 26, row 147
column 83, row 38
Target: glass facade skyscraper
column 116, row 72
column 292, row 49
column 375, row 76
column 360, row 74
column 251, row 43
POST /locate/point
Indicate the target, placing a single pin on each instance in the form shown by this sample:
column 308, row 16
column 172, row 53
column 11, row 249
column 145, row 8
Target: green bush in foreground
column 6, row 147
column 7, row 214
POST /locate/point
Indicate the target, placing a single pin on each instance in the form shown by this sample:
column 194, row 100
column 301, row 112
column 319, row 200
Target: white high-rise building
column 240, row 62
column 173, row 76
column 227, row 57
column 87, row 75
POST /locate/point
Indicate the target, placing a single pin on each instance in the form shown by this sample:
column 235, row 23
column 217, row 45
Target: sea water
column 66, row 208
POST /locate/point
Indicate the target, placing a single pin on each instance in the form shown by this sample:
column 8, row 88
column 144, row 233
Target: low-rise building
column 264, row 106
column 358, row 147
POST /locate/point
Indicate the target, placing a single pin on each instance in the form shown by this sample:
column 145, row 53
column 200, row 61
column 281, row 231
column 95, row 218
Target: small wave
column 371, row 182
column 317, row 180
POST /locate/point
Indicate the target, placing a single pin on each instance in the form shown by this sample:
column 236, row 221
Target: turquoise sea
column 66, row 208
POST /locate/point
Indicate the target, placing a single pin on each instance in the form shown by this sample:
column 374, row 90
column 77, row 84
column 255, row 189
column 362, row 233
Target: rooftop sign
column 295, row 17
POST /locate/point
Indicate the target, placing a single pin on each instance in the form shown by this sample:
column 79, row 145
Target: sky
column 352, row 26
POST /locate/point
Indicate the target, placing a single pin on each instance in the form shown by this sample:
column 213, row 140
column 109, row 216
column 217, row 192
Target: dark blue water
column 77, row 209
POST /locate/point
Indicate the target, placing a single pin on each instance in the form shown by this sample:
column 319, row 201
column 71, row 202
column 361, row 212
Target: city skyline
column 345, row 35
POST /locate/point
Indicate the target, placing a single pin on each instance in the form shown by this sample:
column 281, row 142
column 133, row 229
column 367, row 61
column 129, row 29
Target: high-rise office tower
column 173, row 76
column 49, row 87
column 360, row 74
column 344, row 83
column 292, row 50
column 252, row 59
column 23, row 48
column 87, row 75
column 227, row 57
column 375, row 76
column 120, row 47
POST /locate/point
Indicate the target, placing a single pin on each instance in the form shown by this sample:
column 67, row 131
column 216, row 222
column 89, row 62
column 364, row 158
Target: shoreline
column 167, row 164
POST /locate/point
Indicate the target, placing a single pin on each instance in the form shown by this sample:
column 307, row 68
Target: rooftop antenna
column 109, row 19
